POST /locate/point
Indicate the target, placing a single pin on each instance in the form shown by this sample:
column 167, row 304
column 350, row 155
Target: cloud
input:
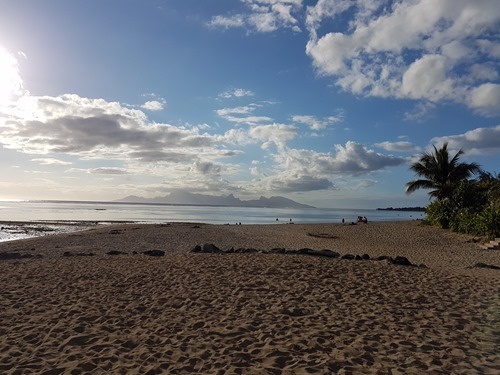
column 11, row 83
column 299, row 170
column 97, row 129
column 110, row 171
column 235, row 93
column 317, row 124
column 351, row 159
column 50, row 161
column 420, row 112
column 400, row 146
column 262, row 16
column 227, row 22
column 485, row 99
column 426, row 78
column 243, row 115
column 286, row 183
column 154, row 105
column 206, row 168
column 479, row 141
column 422, row 50
column 277, row 134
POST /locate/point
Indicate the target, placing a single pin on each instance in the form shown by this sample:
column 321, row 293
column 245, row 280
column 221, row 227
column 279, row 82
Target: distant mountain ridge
column 183, row 197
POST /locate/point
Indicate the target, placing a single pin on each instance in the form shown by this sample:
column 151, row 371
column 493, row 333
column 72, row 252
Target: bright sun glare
column 10, row 82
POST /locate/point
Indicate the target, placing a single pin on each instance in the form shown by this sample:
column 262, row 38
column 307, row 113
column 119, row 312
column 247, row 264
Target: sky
column 325, row 102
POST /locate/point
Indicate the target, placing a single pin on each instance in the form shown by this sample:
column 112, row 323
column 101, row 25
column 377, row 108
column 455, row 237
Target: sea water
column 36, row 211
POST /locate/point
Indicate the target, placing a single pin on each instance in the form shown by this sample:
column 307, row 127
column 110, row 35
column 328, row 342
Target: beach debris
column 322, row 235
column 115, row 231
column 154, row 253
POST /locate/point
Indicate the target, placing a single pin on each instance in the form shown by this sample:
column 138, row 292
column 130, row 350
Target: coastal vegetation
column 458, row 201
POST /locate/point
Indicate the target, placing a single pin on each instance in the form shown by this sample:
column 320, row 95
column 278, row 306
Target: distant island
column 412, row 209
column 182, row 197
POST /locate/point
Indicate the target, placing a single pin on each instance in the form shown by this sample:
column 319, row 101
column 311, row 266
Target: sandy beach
column 68, row 307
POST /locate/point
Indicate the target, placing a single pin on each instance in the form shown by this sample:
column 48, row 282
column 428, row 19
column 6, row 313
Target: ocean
column 36, row 211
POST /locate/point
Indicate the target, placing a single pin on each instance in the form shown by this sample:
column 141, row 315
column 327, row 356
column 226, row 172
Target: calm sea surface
column 106, row 212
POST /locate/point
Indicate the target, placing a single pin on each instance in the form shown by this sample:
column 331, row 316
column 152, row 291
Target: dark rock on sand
column 154, row 253
column 488, row 266
column 365, row 257
column 211, row 248
column 70, row 254
column 196, row 249
column 384, row 257
column 304, row 251
column 402, row 261
column 278, row 250
column 207, row 248
column 324, row 253
column 348, row 256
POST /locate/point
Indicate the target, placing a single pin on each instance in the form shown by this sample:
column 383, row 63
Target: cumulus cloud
column 291, row 183
column 227, row 22
column 206, row 168
column 351, row 159
column 242, row 115
column 235, row 93
column 50, row 161
column 316, row 123
column 400, row 146
column 97, row 129
column 11, row 83
column 422, row 49
column 275, row 134
column 420, row 112
column 110, row 171
column 262, row 16
column 299, row 170
column 154, row 105
column 486, row 99
column 479, row 141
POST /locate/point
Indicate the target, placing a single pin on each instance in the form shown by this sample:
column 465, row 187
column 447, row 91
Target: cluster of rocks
column 399, row 260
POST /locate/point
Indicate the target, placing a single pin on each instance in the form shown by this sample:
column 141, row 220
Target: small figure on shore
column 277, row 219
column 343, row 221
column 362, row 219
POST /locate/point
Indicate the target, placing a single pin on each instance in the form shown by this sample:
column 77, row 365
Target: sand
column 251, row 313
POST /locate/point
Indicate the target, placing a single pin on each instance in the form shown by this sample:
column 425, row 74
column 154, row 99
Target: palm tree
column 440, row 173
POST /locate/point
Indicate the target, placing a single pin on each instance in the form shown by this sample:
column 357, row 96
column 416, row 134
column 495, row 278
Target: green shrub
column 489, row 220
column 439, row 213
column 465, row 221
